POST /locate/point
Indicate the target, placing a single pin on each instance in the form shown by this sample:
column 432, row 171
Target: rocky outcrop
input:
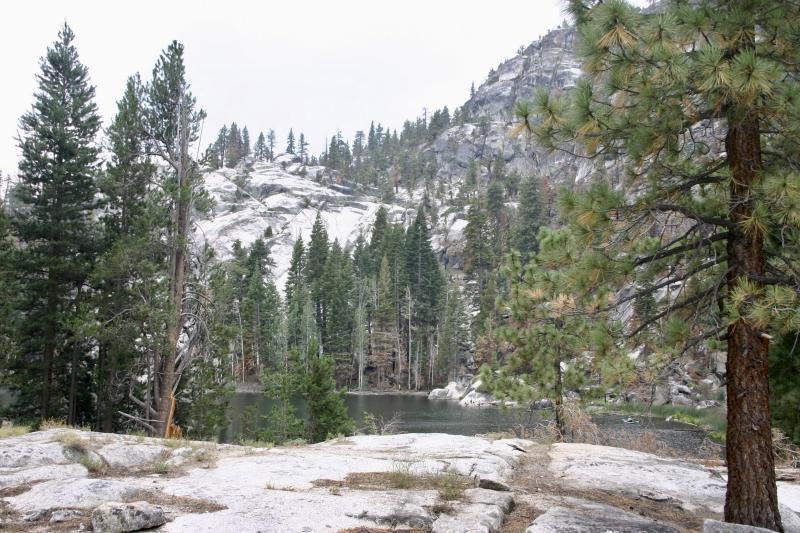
column 593, row 517
column 310, row 488
column 547, row 63
column 453, row 391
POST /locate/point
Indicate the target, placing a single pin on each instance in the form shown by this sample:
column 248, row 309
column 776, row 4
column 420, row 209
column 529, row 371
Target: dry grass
column 451, row 486
column 53, row 423
column 94, row 465
column 520, row 517
column 9, row 429
column 382, row 530
column 15, row 490
column 787, row 454
column 183, row 504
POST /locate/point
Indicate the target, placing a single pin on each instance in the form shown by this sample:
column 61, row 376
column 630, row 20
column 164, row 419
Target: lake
column 417, row 414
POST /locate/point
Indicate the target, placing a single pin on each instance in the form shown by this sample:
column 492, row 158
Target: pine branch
column 716, row 221
column 661, row 254
column 689, row 301
column 668, row 282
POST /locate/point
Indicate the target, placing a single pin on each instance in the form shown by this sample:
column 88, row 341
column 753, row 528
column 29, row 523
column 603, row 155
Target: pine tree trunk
column 558, row 410
column 751, row 494
column 168, row 376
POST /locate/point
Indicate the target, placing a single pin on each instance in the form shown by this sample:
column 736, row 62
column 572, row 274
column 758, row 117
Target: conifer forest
column 610, row 218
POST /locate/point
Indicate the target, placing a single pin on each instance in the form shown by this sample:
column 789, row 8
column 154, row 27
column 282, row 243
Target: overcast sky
column 313, row 65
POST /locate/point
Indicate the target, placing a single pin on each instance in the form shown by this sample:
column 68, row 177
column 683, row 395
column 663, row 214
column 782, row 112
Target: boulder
column 62, row 515
column 127, row 455
column 72, row 493
column 594, row 517
column 453, row 391
column 116, row 517
column 476, row 399
column 30, row 454
column 715, row 526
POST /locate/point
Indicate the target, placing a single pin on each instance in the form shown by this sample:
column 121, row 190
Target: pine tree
column 316, row 258
column 172, row 123
column 245, row 142
column 455, row 334
column 477, row 249
column 282, row 384
column 235, row 146
column 549, row 328
column 271, row 144
column 220, row 148
column 657, row 82
column 327, row 412
column 302, row 148
column 260, row 150
column 9, row 294
column 121, row 274
column 528, row 220
column 425, row 284
column 290, row 142
column 336, row 287
column 57, row 195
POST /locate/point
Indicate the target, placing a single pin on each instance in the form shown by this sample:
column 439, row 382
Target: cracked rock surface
column 234, row 488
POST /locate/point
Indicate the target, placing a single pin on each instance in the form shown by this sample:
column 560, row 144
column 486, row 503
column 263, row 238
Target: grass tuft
column 9, row 429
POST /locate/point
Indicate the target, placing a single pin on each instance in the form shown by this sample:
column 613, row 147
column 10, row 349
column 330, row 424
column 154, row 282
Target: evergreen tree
column 271, row 144
column 477, row 249
column 425, row 284
column 302, row 148
column 528, row 220
column 245, row 142
column 120, row 276
column 282, row 384
column 235, row 146
column 260, row 150
column 455, row 334
column 655, row 81
column 56, row 195
column 220, row 148
column 316, row 258
column 290, row 142
column 172, row 124
column 336, row 288
column 327, row 412
column 549, row 328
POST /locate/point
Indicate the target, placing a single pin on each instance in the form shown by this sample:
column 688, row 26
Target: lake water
column 417, row 414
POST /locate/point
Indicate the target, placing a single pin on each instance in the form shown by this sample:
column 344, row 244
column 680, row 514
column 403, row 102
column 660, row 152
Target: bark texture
column 751, row 496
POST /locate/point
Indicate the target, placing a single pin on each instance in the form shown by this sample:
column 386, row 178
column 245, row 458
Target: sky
column 316, row 66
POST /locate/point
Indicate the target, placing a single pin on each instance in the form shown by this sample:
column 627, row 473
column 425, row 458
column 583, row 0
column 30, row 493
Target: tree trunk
column 751, row 496
column 168, row 377
column 558, row 402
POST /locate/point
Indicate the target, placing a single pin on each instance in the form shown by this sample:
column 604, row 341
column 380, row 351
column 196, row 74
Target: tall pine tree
column 56, row 195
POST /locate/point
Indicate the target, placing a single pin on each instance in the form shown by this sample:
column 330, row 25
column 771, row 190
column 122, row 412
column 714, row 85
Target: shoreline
column 257, row 388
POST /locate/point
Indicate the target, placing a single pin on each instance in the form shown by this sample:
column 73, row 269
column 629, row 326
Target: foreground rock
column 589, row 518
column 359, row 482
column 429, row 482
column 122, row 517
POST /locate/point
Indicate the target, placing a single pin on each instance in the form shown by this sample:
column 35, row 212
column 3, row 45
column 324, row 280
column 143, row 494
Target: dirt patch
column 16, row 490
column 384, row 530
column 183, row 504
column 521, row 516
